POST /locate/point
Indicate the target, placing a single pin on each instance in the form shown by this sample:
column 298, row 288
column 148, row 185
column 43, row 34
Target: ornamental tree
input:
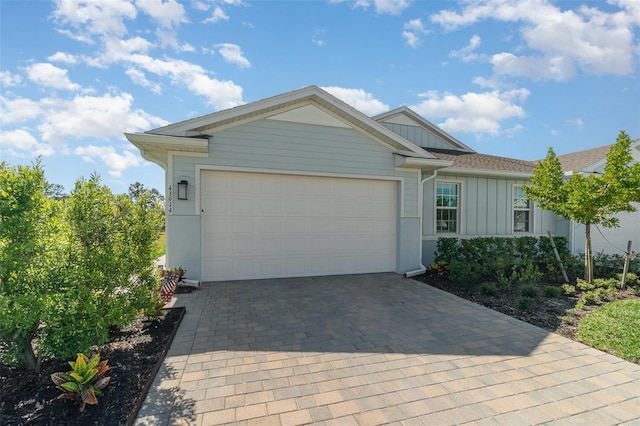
column 589, row 199
column 70, row 269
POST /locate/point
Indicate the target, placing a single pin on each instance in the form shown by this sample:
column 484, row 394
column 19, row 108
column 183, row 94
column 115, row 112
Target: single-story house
column 302, row 184
column 607, row 240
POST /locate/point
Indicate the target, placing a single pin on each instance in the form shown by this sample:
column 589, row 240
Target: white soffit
column 309, row 114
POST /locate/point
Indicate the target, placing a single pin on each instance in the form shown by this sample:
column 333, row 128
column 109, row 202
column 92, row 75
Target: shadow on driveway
column 372, row 313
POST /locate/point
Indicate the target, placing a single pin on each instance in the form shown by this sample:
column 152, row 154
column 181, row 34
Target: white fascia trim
column 429, row 163
column 205, row 167
column 487, row 173
column 173, row 143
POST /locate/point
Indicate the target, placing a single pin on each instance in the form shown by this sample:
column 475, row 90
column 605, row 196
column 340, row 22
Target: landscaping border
column 143, row 395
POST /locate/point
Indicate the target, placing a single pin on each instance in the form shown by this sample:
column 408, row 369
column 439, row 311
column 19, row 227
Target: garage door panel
column 263, row 226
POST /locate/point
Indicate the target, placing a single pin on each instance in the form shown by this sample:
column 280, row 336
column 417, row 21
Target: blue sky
column 506, row 77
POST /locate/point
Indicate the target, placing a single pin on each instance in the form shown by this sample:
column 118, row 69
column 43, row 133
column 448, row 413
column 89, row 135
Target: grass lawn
column 159, row 248
column 614, row 327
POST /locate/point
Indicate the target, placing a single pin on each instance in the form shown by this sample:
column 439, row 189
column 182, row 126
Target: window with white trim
column 521, row 210
column 447, row 207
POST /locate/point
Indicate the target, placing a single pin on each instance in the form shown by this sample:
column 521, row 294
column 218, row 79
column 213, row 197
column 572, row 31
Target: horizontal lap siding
column 271, row 144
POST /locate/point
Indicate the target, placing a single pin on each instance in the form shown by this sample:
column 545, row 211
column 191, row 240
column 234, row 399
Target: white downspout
column 423, row 268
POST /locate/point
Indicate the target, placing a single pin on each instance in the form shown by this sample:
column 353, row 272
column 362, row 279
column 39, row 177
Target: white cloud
column 412, row 32
column 47, row 75
column 217, row 15
column 115, row 162
column 359, row 99
column 92, row 116
column 221, row 94
column 63, row 57
column 20, row 110
column 232, row 53
column 168, row 14
column 20, row 143
column 317, row 40
column 559, row 41
column 536, row 68
column 577, row 122
column 7, row 79
column 473, row 112
column 466, row 54
column 104, row 17
column 391, row 7
column 140, row 79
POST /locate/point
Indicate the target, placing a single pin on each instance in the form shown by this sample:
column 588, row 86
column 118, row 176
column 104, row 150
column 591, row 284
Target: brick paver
column 376, row 349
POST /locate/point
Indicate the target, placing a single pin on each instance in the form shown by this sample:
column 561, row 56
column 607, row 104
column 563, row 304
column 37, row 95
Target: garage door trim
column 204, row 176
column 206, row 168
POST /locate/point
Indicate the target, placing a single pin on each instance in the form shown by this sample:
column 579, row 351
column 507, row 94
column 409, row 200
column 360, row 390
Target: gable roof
column 484, row 164
column 405, row 115
column 155, row 144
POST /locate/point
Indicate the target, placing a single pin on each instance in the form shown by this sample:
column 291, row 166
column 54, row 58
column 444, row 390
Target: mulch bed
column 558, row 315
column 549, row 313
column 134, row 353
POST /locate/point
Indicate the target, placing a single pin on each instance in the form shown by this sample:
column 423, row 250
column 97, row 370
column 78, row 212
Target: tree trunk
column 31, row 362
column 588, row 258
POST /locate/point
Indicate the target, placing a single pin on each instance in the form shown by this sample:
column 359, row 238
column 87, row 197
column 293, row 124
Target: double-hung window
column 447, row 206
column 521, row 210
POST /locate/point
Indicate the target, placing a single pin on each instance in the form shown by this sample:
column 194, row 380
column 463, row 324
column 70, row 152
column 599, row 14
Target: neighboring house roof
column 473, row 162
column 581, row 160
column 156, row 144
column 594, row 159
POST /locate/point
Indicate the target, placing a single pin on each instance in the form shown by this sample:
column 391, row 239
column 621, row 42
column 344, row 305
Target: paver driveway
column 375, row 349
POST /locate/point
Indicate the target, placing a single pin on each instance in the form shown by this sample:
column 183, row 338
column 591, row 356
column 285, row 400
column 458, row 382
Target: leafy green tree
column 55, row 191
column 588, row 199
column 29, row 230
column 70, row 269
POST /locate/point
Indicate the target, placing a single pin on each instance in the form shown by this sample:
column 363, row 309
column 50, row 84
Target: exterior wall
column 486, row 209
column 418, row 135
column 285, row 146
column 610, row 240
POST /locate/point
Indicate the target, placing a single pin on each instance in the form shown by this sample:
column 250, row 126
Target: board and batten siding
column 418, row 135
column 486, row 209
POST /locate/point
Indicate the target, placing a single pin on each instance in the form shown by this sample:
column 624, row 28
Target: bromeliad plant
column 85, row 381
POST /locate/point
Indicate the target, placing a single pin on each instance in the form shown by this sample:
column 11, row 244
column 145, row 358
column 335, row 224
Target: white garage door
column 267, row 226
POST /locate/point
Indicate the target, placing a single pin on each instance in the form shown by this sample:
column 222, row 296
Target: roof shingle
column 473, row 160
column 577, row 161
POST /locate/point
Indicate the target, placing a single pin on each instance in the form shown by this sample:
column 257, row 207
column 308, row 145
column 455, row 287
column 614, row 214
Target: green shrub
column 552, row 291
column 632, row 279
column 530, row 290
column 526, row 273
column 590, row 297
column 488, row 289
column 69, row 270
column 464, row 273
column 525, row 260
column 584, row 285
column 568, row 289
column 504, row 283
column 525, row 303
